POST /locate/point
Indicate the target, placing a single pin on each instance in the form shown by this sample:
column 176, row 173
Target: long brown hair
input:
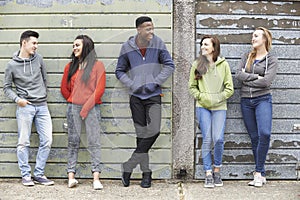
column 88, row 55
column 268, row 45
column 203, row 62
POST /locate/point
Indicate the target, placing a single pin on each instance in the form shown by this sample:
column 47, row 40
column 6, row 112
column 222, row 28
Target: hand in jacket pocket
column 150, row 87
column 137, row 89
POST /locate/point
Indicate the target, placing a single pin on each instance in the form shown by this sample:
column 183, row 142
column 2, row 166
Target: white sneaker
column 258, row 181
column 97, row 185
column 264, row 181
column 72, row 183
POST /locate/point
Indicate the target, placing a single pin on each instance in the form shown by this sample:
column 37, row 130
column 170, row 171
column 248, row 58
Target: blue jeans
column 257, row 115
column 39, row 114
column 212, row 126
column 92, row 129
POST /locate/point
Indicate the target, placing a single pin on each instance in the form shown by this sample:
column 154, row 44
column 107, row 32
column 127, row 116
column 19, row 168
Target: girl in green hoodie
column 211, row 85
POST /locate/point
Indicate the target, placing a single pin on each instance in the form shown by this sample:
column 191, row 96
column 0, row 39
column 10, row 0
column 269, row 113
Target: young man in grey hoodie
column 27, row 71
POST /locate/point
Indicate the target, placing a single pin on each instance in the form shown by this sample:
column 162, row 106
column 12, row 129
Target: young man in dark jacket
column 143, row 66
column 26, row 70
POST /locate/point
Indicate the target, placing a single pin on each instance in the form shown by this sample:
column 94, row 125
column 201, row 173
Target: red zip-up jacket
column 77, row 92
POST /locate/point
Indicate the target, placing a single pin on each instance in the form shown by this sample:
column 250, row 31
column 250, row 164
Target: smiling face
column 207, row 48
column 146, row 31
column 30, row 45
column 258, row 39
column 77, row 48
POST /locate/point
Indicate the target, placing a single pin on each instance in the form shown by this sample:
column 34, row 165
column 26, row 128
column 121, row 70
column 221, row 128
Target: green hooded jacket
column 215, row 86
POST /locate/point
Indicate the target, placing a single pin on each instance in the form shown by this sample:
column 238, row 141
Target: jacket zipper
column 250, row 86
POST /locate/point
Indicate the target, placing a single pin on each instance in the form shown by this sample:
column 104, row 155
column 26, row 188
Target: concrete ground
column 160, row 190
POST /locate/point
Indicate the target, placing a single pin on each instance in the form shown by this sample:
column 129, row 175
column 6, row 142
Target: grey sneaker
column 209, row 181
column 43, row 180
column 217, row 179
column 27, row 181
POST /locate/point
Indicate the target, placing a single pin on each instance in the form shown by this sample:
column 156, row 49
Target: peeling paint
column 3, row 3
column 49, row 3
column 36, row 3
column 238, row 158
column 106, row 2
column 281, row 158
column 281, row 144
column 250, row 7
column 252, row 21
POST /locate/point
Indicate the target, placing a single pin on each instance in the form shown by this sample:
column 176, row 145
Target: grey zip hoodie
column 251, row 85
column 29, row 78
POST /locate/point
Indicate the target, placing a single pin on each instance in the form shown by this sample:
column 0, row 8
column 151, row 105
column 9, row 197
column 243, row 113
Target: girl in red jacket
column 82, row 85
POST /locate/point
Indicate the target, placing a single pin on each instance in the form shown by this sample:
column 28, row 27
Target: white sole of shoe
column 209, row 186
column 219, row 185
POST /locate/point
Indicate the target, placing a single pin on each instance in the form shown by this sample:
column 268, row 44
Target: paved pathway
column 11, row 189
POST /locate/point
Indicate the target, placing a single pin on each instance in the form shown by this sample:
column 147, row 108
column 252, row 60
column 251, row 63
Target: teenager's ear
column 23, row 42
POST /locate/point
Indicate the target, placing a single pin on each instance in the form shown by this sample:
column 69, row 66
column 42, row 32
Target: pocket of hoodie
column 137, row 86
column 151, row 84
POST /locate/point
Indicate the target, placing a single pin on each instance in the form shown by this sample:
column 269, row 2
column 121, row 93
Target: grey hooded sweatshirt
column 251, row 85
column 29, row 78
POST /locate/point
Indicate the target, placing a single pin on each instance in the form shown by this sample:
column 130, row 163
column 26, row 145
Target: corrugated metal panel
column 109, row 24
column 233, row 23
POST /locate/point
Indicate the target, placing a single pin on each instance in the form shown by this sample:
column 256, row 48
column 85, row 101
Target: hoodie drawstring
column 24, row 66
column 30, row 67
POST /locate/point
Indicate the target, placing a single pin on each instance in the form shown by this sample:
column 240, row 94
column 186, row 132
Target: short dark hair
column 27, row 34
column 141, row 20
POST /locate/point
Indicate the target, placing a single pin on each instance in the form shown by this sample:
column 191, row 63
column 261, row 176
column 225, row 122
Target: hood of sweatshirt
column 27, row 62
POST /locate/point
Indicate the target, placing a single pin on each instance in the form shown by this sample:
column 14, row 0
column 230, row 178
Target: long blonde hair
column 268, row 44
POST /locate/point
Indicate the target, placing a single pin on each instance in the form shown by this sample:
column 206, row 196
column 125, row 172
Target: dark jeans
column 257, row 115
column 146, row 115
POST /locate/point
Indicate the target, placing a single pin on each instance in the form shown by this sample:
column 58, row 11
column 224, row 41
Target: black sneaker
column 27, row 181
column 43, row 180
column 209, row 182
column 217, row 179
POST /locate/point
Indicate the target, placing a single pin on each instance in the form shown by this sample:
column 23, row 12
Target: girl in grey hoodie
column 256, row 74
